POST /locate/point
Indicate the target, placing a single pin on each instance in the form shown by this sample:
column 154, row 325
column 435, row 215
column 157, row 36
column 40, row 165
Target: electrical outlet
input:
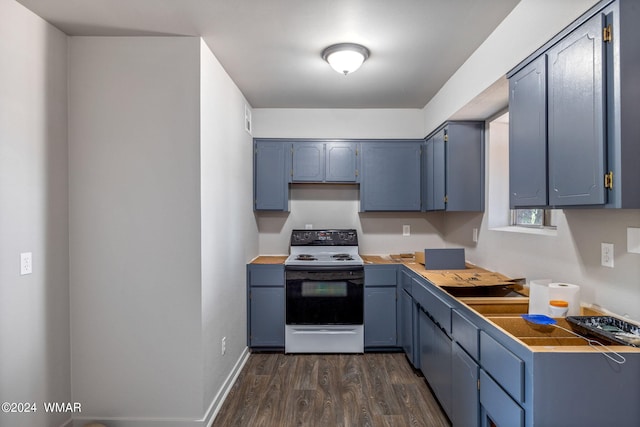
column 26, row 263
column 224, row 345
column 606, row 254
column 406, row 230
column 308, row 226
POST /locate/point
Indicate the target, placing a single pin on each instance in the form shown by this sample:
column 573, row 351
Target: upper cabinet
column 308, row 162
column 576, row 117
column 528, row 135
column 391, row 176
column 320, row 161
column 341, row 161
column 574, row 121
column 453, row 168
column 271, row 172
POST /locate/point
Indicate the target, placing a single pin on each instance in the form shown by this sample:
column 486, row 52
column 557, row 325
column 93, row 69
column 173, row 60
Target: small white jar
column 558, row 308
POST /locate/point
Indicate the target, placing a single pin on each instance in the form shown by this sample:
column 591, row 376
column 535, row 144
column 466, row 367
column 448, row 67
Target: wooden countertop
column 269, row 259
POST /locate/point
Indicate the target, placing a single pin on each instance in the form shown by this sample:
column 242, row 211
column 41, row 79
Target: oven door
column 324, row 295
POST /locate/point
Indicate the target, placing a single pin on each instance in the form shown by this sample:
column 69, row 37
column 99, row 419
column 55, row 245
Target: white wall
column 135, row 235
column 337, row 206
column 229, row 230
column 531, row 24
column 573, row 255
column 34, row 309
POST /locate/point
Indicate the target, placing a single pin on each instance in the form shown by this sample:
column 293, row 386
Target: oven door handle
column 341, row 331
column 324, row 268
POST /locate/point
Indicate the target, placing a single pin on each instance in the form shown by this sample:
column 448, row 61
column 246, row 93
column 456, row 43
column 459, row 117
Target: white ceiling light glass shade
column 345, row 58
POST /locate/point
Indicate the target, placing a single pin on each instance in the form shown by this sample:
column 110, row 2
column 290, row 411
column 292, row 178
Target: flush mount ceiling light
column 345, row 58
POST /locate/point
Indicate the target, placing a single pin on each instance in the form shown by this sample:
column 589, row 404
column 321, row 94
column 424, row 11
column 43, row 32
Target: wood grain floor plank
column 330, row 390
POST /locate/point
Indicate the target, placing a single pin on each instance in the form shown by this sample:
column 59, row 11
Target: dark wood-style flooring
column 330, row 390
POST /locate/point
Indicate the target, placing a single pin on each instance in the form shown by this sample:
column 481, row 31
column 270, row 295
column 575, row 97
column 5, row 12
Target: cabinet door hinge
column 606, row 34
column 478, row 383
column 446, row 138
column 608, row 180
column 356, row 172
column 446, row 199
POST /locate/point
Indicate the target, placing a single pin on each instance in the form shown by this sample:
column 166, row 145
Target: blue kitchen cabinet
column 308, row 161
column 380, row 306
column 341, row 161
column 271, row 173
column 528, row 135
column 391, row 174
column 407, row 315
column 591, row 117
column 453, row 171
column 497, row 408
column 265, row 306
column 325, row 161
column 465, row 402
column 433, row 171
column 435, row 359
column 576, row 117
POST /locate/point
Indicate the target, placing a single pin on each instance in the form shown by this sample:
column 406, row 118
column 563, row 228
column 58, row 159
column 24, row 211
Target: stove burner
column 306, row 257
column 342, row 257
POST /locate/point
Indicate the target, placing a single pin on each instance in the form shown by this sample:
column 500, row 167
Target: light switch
column 406, row 230
column 633, row 240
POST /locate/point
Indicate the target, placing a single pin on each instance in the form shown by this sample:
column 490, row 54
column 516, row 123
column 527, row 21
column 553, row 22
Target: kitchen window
column 531, row 218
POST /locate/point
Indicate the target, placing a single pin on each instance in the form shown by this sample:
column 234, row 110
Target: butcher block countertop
column 270, row 259
column 503, row 312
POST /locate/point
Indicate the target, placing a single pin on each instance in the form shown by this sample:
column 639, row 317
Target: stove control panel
column 324, row 238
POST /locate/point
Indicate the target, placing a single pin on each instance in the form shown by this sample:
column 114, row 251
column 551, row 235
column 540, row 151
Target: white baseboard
column 218, row 400
column 205, row 421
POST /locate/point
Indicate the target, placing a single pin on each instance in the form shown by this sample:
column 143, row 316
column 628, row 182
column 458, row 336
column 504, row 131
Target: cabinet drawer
column 465, row 333
column 266, row 275
column 439, row 310
column 497, row 405
column 503, row 365
column 380, row 275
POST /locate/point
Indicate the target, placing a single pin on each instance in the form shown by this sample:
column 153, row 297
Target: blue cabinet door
column 380, row 316
column 577, row 117
column 341, row 161
column 271, row 169
column 528, row 135
column 435, row 360
column 439, row 173
column 464, row 160
column 267, row 317
column 434, row 170
column 465, row 402
column 265, row 305
column 390, row 176
column 308, row 161
column 405, row 324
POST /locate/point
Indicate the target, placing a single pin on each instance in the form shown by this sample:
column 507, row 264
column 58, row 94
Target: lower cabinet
column 465, row 404
column 435, row 359
column 380, row 329
column 498, row 408
column 265, row 306
column 407, row 322
column 267, row 317
column 380, row 317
